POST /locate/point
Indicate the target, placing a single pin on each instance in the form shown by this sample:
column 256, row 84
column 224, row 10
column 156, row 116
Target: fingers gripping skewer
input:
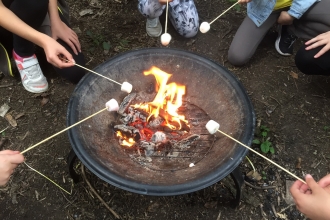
column 166, row 37
column 205, row 26
column 111, row 105
column 125, row 86
column 213, row 127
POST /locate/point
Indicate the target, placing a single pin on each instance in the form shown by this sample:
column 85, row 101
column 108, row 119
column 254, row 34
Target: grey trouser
column 182, row 14
column 248, row 36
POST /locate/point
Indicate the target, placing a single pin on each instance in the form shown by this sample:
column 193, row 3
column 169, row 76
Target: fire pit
column 212, row 92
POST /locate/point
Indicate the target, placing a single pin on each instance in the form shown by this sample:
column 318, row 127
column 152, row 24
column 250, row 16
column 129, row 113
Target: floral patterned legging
column 182, row 14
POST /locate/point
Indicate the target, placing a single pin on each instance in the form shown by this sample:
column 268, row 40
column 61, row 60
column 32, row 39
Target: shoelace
column 32, row 71
column 290, row 40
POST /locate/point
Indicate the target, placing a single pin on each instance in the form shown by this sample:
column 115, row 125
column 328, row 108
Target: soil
column 294, row 107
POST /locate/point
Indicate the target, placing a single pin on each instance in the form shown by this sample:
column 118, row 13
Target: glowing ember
column 125, row 141
column 167, row 101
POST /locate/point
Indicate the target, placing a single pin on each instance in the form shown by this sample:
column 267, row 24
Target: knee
column 190, row 32
column 236, row 58
column 303, row 59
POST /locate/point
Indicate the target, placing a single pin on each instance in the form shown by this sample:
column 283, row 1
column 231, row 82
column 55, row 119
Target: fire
column 167, row 101
column 125, row 141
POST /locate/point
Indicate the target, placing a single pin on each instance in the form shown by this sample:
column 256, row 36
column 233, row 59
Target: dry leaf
column 210, row 205
column 44, row 101
column 254, row 175
column 153, row 207
column 86, row 12
column 294, row 75
column 11, row 120
column 19, row 115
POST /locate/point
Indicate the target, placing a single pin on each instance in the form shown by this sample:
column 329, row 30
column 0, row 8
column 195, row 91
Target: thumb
column 311, row 182
column 16, row 158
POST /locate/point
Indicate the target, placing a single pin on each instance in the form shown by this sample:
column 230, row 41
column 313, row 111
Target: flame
column 125, row 141
column 168, row 99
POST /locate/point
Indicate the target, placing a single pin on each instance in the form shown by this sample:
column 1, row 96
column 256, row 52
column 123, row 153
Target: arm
column 315, row 203
column 9, row 160
column 60, row 30
column 297, row 9
column 12, row 23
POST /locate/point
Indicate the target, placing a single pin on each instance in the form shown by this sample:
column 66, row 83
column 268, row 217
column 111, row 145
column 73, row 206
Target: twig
column 4, row 86
column 95, row 193
column 259, row 187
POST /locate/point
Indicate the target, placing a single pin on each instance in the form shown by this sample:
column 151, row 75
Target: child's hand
column 322, row 39
column 315, row 203
column 285, row 18
column 325, row 183
column 244, row 1
column 9, row 160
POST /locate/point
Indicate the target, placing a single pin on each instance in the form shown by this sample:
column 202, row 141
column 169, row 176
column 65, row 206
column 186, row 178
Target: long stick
column 26, row 150
column 263, row 157
column 224, row 12
column 166, row 16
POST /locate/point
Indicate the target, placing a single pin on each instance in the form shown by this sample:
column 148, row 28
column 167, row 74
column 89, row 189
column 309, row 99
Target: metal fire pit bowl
column 209, row 86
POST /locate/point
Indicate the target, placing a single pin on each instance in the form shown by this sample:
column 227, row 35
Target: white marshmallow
column 191, row 165
column 212, row 126
column 112, row 105
column 205, row 27
column 165, row 39
column 126, row 87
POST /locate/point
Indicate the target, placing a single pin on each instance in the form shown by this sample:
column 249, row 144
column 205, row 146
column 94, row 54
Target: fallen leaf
column 11, row 120
column 254, row 175
column 86, row 12
column 19, row 115
column 4, row 109
column 44, row 101
column 294, row 75
column 210, row 205
column 153, row 207
column 298, row 166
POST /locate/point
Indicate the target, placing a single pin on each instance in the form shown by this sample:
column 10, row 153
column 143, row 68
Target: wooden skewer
column 282, row 168
column 26, row 150
column 224, row 12
column 91, row 71
column 166, row 16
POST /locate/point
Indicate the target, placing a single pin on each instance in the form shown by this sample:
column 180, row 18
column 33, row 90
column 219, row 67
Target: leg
column 309, row 65
column 315, row 21
column 150, row 8
column 247, row 39
column 184, row 17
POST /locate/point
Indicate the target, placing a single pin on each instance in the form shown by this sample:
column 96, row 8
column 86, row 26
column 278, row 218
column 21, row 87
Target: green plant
column 263, row 140
column 326, row 128
column 97, row 40
column 236, row 7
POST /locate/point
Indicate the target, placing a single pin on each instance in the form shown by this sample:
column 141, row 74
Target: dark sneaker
column 5, row 64
column 285, row 40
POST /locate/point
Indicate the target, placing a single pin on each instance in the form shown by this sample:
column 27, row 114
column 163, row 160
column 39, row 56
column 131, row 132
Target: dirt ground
column 294, row 107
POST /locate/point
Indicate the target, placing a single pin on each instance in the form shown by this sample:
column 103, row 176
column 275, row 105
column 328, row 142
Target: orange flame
column 168, row 99
column 125, row 141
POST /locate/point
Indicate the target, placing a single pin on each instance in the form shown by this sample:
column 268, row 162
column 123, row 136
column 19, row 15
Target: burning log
column 128, row 131
column 126, row 103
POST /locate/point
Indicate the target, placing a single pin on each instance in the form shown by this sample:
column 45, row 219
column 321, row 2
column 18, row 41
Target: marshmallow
column 205, row 27
column 112, row 105
column 212, row 126
column 126, row 87
column 191, row 165
column 165, row 39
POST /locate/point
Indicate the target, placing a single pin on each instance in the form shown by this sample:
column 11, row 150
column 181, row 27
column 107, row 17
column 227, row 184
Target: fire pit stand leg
column 237, row 176
column 70, row 160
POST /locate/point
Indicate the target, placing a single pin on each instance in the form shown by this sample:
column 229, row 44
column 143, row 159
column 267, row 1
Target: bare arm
column 12, row 23
column 60, row 30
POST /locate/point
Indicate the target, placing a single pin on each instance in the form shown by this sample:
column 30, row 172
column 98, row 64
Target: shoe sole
column 277, row 43
column 5, row 64
column 29, row 90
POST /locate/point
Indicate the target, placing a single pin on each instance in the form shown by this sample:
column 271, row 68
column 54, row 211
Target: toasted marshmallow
column 165, row 39
column 205, row 27
column 212, row 126
column 126, row 87
column 112, row 105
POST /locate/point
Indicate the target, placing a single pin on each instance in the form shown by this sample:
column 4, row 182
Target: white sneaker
column 154, row 27
column 32, row 77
